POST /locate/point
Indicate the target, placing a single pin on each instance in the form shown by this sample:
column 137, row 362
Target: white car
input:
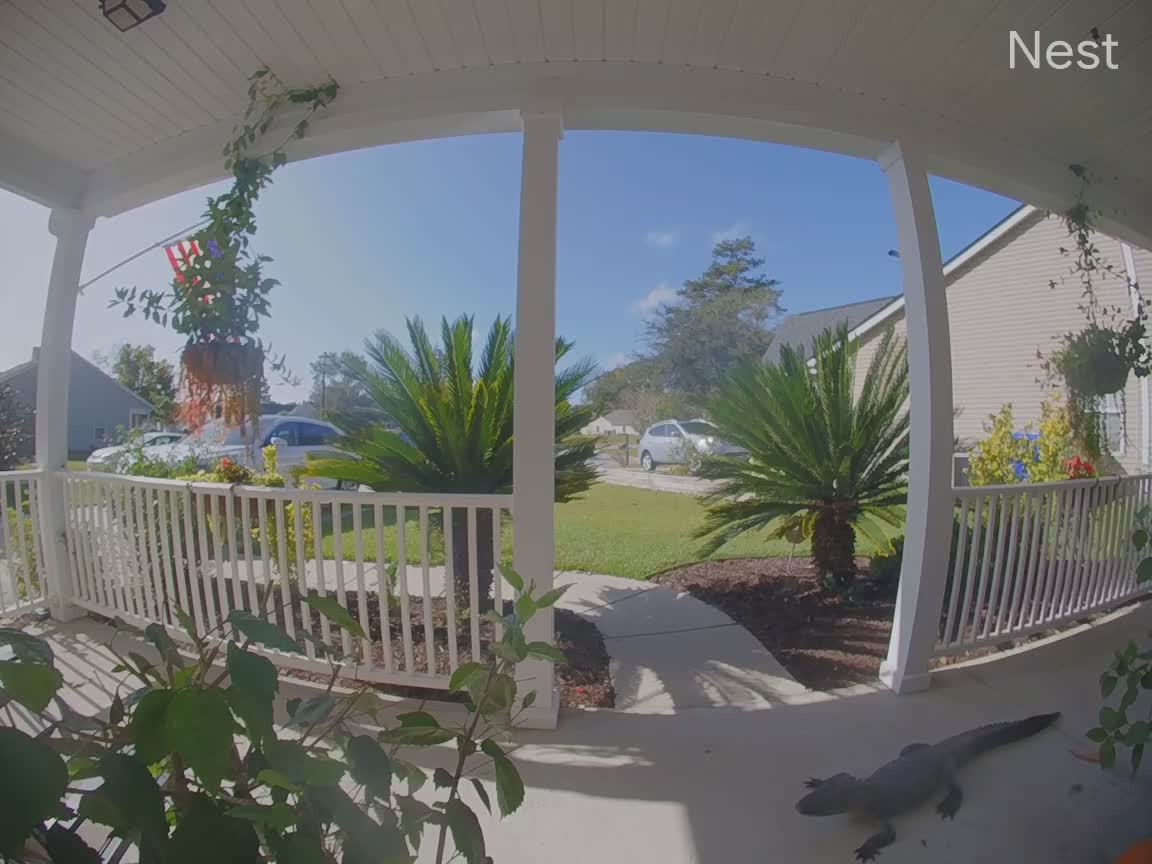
column 663, row 443
column 109, row 457
column 294, row 437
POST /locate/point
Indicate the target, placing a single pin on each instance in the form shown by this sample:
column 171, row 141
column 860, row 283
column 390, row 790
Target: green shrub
column 884, row 565
column 192, row 767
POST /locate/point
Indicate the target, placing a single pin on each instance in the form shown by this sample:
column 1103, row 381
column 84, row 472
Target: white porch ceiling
column 93, row 117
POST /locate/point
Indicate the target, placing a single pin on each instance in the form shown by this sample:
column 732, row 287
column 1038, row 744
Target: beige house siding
column 1001, row 312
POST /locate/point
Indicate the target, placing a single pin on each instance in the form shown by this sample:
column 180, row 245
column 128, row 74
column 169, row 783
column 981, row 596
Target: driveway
column 613, row 472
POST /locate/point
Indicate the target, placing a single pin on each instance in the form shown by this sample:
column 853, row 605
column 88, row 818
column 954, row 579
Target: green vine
column 1095, row 361
column 220, row 295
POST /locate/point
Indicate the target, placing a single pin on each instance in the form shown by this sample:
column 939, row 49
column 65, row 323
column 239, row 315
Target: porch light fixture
column 126, row 14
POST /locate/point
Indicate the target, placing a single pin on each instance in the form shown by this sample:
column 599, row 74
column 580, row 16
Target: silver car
column 663, row 443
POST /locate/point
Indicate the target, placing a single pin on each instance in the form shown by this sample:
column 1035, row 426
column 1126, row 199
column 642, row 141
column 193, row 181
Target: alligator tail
column 985, row 738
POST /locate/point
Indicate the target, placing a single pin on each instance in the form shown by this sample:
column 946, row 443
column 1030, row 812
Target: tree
column 136, row 367
column 823, row 461
column 337, row 387
column 15, row 431
column 450, row 429
column 719, row 321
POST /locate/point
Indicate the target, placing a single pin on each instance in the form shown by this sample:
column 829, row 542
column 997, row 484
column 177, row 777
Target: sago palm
column 449, row 428
column 824, row 461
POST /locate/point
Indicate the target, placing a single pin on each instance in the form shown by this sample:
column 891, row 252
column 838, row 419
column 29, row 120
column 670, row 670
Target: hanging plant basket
column 222, row 364
column 1092, row 363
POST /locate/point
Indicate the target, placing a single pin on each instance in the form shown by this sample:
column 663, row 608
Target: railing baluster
column 192, row 561
column 302, row 577
column 37, row 551
column 473, row 586
column 204, row 510
column 220, row 538
column 318, row 552
column 1111, row 551
column 180, row 564
column 1047, row 574
column 974, row 565
column 1082, row 557
column 402, row 586
column 236, row 586
column 962, row 548
column 1005, row 561
column 1121, row 541
column 108, row 510
column 986, row 564
column 21, row 541
column 1067, row 535
column 1027, row 531
column 450, row 586
column 1097, row 517
column 267, row 596
column 11, row 597
column 159, row 596
column 162, row 527
column 429, row 629
column 382, row 586
column 246, row 504
column 497, row 576
column 79, row 577
column 136, row 541
column 338, row 560
column 989, row 601
column 282, row 569
column 365, row 642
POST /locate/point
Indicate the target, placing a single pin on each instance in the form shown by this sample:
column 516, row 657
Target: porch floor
column 711, row 782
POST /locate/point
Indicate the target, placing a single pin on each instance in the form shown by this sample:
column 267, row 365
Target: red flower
column 1079, row 468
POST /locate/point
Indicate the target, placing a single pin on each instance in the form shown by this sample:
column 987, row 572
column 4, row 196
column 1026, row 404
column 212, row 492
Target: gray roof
column 800, row 329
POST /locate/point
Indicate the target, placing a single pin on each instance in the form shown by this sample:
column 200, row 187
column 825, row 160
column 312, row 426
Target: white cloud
column 662, row 239
column 736, row 229
column 650, row 302
column 614, row 361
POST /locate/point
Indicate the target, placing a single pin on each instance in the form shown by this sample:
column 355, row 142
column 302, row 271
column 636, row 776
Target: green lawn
column 616, row 530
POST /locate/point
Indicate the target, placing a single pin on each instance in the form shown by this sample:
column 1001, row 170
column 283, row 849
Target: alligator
column 915, row 775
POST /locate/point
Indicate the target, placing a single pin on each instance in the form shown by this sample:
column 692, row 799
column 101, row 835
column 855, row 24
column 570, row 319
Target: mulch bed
column 822, row 640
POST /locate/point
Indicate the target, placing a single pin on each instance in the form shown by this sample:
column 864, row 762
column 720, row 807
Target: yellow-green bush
column 1010, row 456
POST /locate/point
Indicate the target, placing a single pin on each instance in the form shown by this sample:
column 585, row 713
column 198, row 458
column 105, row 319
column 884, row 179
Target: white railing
column 23, row 584
column 140, row 548
column 1028, row 557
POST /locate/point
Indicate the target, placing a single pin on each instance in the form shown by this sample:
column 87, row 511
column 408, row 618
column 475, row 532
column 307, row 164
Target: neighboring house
column 1002, row 313
column 98, row 404
column 618, row 422
column 800, row 329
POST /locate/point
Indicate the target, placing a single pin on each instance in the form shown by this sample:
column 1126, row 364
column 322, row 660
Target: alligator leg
column 872, row 846
column 813, row 782
column 951, row 803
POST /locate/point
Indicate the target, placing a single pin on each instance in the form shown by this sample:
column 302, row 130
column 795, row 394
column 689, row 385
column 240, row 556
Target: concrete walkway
column 611, row 471
column 670, row 651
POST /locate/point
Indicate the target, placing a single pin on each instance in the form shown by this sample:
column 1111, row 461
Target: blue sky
column 362, row 240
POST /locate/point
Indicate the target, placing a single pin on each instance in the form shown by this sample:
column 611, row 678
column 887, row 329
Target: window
column 99, row 434
column 1111, row 409
column 313, row 434
column 698, row 427
column 660, row 431
column 288, row 432
column 674, row 431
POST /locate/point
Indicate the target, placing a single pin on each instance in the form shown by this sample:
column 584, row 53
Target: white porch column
column 534, row 413
column 70, row 228
column 929, row 521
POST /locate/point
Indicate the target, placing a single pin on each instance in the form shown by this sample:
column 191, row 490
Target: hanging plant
column 219, row 292
column 1095, row 361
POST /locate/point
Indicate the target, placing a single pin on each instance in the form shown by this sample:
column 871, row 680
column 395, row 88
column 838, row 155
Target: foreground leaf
column 366, row 841
column 290, row 760
column 314, row 709
column 547, row 651
column 263, row 632
column 331, row 609
column 31, row 684
column 148, row 725
column 33, row 781
column 462, row 675
column 199, row 728
column 26, row 647
column 509, row 785
column 416, row 736
column 132, row 790
column 67, row 847
column 466, row 832
column 252, row 690
column 278, row 816
column 370, row 765
column 207, row 836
